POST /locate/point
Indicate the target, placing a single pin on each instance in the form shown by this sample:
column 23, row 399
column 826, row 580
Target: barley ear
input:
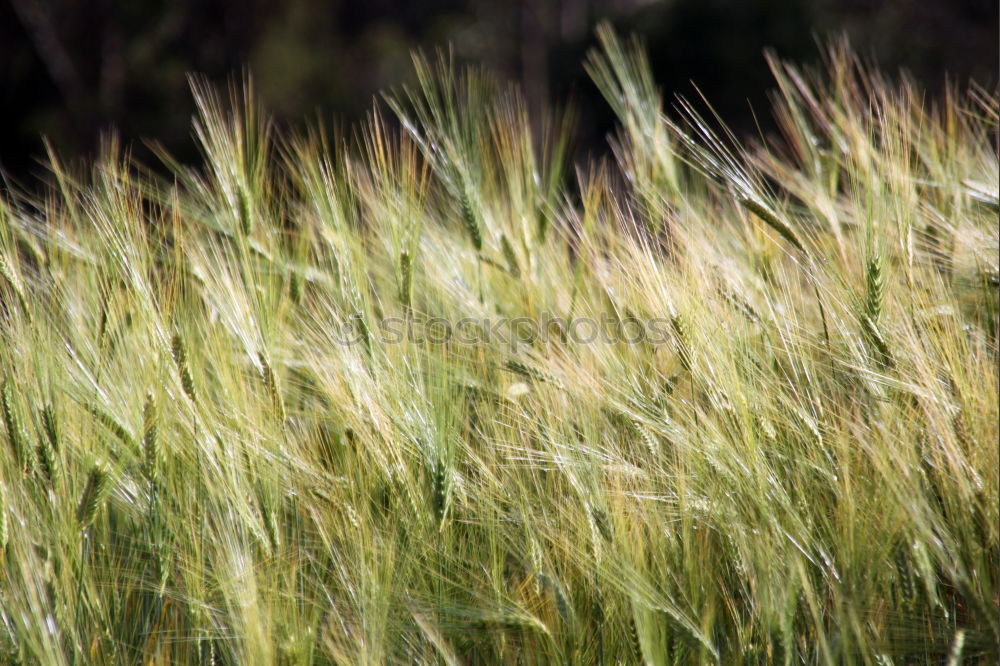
column 98, row 484
column 48, row 460
column 602, row 521
column 469, row 218
column 682, row 338
column 179, row 352
column 439, row 489
column 50, row 424
column 150, row 442
column 873, row 306
column 295, row 287
column 246, row 216
column 874, row 289
column 16, row 435
column 3, row 520
column 510, row 256
column 271, row 384
column 520, row 368
column 772, row 220
column 270, row 519
column 405, row 279
column 114, row 426
column 12, row 279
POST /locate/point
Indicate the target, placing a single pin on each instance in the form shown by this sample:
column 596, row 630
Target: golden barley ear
column 14, row 282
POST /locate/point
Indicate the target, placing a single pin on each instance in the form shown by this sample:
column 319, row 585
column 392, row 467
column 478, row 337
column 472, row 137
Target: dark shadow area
column 75, row 68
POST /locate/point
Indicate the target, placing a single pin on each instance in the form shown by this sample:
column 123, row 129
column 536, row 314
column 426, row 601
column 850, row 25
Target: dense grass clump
column 780, row 446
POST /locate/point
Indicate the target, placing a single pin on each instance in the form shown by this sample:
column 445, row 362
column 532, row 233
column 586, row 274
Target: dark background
column 70, row 69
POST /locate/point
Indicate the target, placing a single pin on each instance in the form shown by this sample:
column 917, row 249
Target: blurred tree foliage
column 73, row 68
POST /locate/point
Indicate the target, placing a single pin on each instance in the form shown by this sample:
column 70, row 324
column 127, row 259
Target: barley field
column 430, row 391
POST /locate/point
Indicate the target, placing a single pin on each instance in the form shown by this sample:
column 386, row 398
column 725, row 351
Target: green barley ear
column 48, row 460
column 12, row 279
column 16, row 435
column 439, row 490
column 602, row 521
column 114, row 426
column 50, row 424
column 405, row 279
column 872, row 311
column 509, row 256
column 271, row 384
column 270, row 519
column 772, row 220
column 470, row 219
column 295, row 287
column 150, row 443
column 3, row 520
column 539, row 375
column 179, row 353
column 246, row 216
column 874, row 289
column 682, row 338
column 98, row 484
column 635, row 645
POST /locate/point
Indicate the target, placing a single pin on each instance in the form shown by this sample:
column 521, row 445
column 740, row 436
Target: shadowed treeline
column 73, row 68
